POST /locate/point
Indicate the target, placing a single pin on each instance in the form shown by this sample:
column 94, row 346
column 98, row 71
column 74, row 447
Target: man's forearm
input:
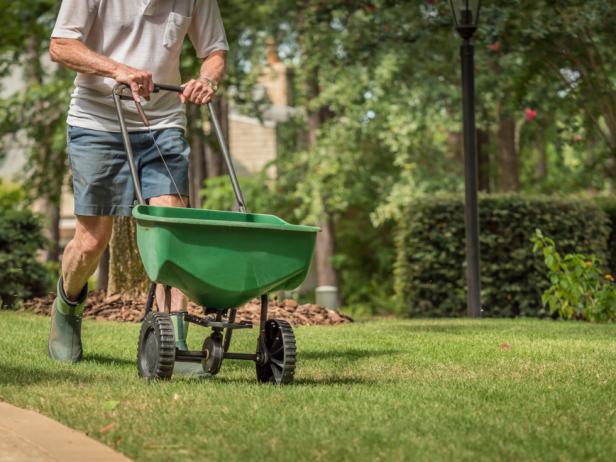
column 213, row 67
column 78, row 57
column 201, row 90
column 75, row 55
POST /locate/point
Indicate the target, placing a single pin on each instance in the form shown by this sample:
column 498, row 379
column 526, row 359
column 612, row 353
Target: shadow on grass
column 349, row 354
column 326, row 380
column 12, row 375
column 333, row 380
column 108, row 360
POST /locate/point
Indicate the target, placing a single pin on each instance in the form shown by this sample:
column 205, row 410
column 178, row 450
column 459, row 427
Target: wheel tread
column 289, row 351
column 161, row 324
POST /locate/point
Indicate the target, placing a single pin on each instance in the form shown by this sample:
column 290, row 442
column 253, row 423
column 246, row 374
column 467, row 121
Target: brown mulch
column 130, row 309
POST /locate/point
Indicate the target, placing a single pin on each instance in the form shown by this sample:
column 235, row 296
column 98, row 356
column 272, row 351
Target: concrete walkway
column 29, row 436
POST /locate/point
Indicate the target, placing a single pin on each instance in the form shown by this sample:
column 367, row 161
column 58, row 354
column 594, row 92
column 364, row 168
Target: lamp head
column 466, row 16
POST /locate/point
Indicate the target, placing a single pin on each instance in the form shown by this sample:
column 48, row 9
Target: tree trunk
column 325, row 248
column 126, row 273
column 51, row 229
column 507, row 155
column 54, row 233
column 454, row 141
column 197, row 172
column 326, row 274
column 102, row 282
column 483, row 160
column 541, row 169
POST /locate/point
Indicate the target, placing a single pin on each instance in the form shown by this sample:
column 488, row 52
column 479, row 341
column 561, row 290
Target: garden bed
column 127, row 308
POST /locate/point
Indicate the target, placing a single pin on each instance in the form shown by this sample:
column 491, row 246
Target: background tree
column 377, row 120
column 33, row 117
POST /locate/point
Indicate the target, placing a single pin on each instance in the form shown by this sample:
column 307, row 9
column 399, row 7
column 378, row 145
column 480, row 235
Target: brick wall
column 252, row 143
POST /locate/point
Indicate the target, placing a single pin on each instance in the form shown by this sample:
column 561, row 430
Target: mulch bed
column 121, row 307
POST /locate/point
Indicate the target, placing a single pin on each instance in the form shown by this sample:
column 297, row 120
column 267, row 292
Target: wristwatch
column 213, row 85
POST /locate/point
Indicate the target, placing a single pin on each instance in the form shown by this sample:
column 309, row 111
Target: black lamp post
column 466, row 16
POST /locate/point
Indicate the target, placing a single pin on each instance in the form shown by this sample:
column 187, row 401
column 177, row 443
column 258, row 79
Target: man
column 136, row 43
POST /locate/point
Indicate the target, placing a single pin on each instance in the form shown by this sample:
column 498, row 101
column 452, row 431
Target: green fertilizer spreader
column 220, row 260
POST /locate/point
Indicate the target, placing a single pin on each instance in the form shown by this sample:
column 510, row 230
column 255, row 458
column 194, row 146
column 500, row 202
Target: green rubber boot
column 180, row 330
column 65, row 333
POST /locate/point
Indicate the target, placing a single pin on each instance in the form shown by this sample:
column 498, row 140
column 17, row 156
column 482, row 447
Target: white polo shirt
column 145, row 34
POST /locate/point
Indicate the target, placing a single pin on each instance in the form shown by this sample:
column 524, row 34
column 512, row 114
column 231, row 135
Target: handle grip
column 120, row 89
column 161, row 86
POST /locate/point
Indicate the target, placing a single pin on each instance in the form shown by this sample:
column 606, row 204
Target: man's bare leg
column 79, row 262
column 83, row 252
column 179, row 302
column 178, row 299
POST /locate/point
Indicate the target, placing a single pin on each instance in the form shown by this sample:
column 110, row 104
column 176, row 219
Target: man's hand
column 198, row 91
column 139, row 81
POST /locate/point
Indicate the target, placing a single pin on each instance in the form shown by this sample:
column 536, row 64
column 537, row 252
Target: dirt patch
column 130, row 309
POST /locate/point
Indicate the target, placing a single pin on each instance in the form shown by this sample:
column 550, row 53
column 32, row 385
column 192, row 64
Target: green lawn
column 383, row 390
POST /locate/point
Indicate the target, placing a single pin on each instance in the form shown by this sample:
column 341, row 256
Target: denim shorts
column 102, row 183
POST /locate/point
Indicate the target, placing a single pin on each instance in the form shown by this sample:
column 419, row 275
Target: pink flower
column 495, row 47
column 530, row 114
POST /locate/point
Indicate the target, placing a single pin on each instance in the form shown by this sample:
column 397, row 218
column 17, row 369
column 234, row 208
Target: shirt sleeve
column 206, row 31
column 75, row 19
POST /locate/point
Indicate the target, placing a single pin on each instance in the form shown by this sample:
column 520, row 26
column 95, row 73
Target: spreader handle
column 118, row 95
column 239, row 197
column 161, row 86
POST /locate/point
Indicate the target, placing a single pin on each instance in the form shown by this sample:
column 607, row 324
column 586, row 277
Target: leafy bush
column 259, row 193
column 21, row 275
column 579, row 287
column 11, row 195
column 429, row 273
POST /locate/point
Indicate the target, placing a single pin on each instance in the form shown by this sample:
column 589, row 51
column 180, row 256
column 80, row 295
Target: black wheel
column 212, row 348
column 276, row 353
column 156, row 351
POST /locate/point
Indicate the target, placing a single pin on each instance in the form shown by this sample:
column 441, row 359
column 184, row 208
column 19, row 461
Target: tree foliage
column 376, row 85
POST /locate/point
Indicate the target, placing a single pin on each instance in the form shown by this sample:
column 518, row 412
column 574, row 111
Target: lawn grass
column 380, row 390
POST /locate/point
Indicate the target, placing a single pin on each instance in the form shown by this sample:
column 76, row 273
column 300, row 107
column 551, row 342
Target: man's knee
column 92, row 246
column 92, row 235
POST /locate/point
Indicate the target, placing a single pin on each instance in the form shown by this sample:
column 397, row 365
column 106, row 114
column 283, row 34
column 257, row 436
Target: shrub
column 429, row 273
column 579, row 287
column 258, row 191
column 11, row 195
column 608, row 205
column 21, row 275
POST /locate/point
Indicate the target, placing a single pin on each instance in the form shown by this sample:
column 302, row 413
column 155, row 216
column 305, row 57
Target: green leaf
column 110, row 405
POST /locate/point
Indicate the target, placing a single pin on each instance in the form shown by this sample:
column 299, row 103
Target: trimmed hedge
column 21, row 275
column 608, row 205
column 430, row 270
